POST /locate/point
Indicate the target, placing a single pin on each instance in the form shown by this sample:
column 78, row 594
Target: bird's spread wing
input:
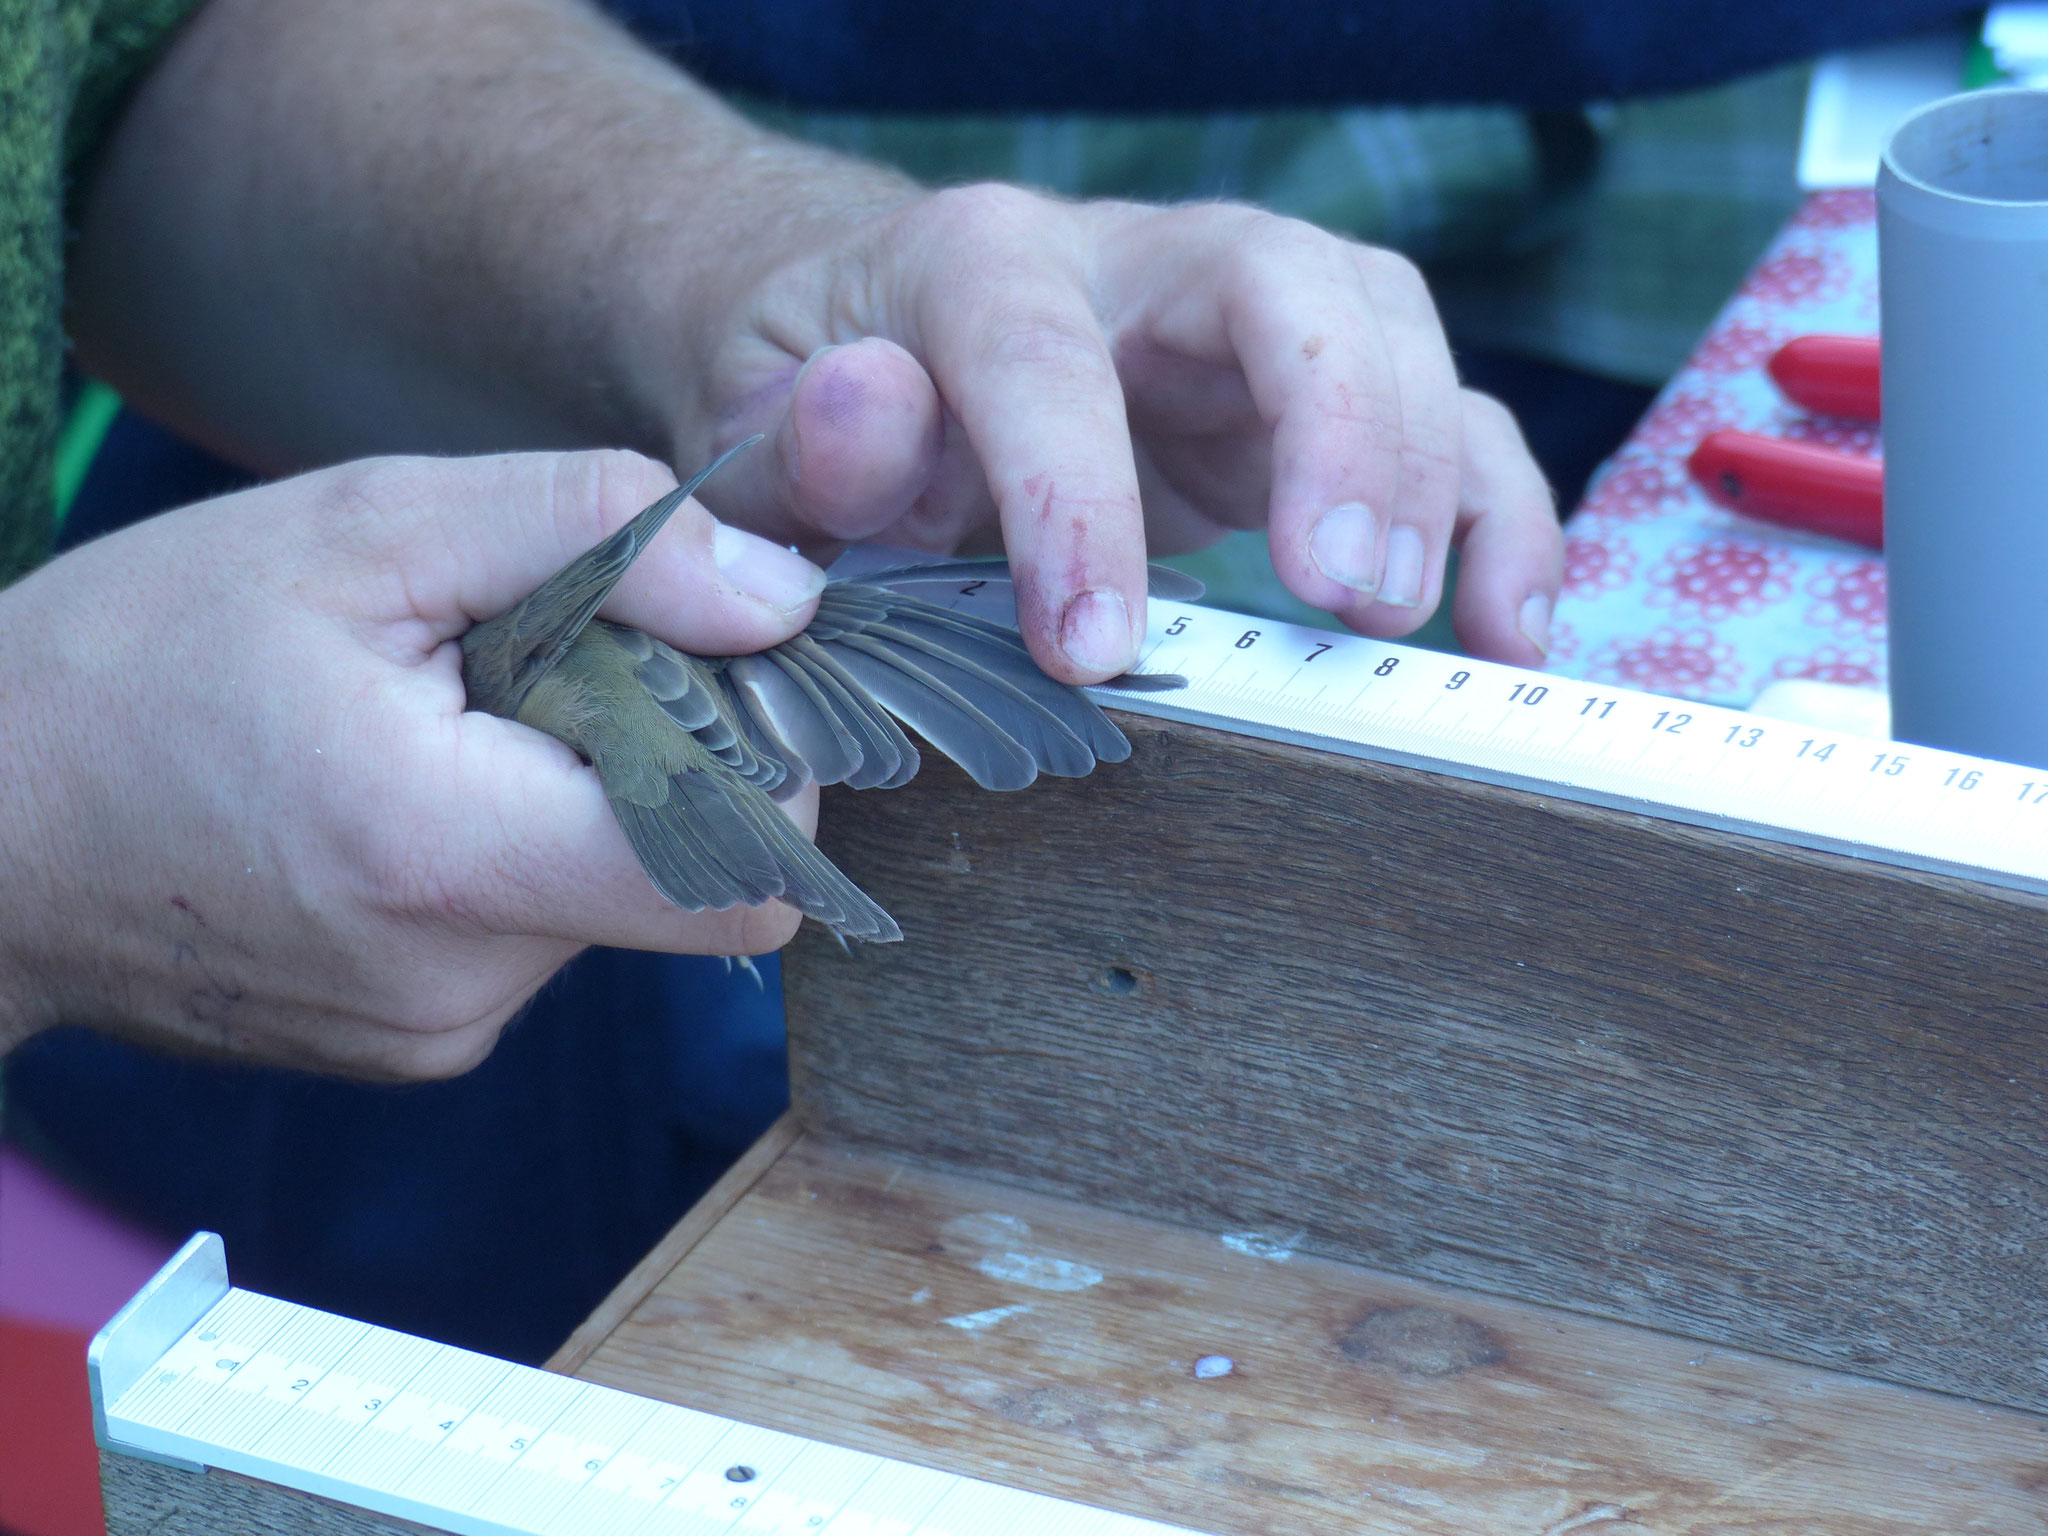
column 693, row 752
column 966, row 685
column 702, row 823
column 688, row 691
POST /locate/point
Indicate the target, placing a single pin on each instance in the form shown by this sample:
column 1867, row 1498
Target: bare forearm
column 333, row 227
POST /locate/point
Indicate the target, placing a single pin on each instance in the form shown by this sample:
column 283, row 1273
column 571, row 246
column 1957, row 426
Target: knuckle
column 1433, row 466
column 1045, row 343
column 1490, row 425
column 978, row 213
column 1391, row 270
column 1220, row 225
column 1280, row 234
column 1269, row 248
column 1433, row 451
column 366, row 486
column 596, row 490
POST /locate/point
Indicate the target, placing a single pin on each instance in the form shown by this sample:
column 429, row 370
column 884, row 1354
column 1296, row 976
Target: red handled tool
column 1802, row 485
column 1830, row 375
column 1796, row 485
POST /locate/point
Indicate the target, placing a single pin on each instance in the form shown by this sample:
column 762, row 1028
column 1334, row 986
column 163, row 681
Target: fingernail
column 1095, row 632
column 1534, row 620
column 1402, row 585
column 768, row 573
column 1345, row 547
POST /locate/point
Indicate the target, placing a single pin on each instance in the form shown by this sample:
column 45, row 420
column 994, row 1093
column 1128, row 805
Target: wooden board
column 972, row 1326
column 1751, row 1094
column 147, row 1498
column 964, row 1324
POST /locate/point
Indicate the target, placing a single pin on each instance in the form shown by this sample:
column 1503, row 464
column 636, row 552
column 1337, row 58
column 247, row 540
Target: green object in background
column 66, row 67
column 1980, row 64
column 1980, row 68
column 79, row 440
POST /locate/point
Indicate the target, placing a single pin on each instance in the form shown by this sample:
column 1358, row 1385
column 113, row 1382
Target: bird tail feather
column 720, row 845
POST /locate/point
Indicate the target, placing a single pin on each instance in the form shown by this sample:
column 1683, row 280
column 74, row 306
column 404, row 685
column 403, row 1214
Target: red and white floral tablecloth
column 1667, row 592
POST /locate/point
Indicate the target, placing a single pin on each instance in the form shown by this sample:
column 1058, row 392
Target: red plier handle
column 1795, row 485
column 1830, row 375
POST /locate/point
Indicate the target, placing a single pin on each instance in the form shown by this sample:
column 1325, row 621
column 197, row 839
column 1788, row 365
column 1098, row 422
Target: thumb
column 854, row 436
column 477, row 535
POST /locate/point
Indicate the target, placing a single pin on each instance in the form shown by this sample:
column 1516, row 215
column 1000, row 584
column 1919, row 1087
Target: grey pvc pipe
column 1962, row 200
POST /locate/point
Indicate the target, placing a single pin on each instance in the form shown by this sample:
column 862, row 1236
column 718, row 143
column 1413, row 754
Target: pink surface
column 64, row 1263
column 1665, row 591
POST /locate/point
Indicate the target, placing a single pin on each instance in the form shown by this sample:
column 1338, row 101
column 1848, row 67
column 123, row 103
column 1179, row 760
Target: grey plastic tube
column 1962, row 201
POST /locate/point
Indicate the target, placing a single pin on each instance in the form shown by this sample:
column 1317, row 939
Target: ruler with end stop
column 1915, row 807
column 198, row 1374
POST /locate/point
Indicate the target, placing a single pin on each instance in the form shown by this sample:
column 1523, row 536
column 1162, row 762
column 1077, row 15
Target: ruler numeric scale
column 201, row 1375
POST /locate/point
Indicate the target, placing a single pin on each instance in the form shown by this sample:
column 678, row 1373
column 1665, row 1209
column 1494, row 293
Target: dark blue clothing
column 493, row 1211
column 1243, row 55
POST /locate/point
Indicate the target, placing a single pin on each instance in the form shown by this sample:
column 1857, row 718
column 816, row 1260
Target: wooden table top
column 963, row 1324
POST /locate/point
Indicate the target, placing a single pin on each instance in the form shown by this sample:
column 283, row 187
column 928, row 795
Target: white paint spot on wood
column 974, row 1322
column 1209, row 1367
column 1039, row 1271
column 986, row 1229
column 1264, row 1245
column 919, row 1298
column 1600, row 1514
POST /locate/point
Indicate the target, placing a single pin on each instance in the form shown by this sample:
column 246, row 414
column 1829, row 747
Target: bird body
column 693, row 752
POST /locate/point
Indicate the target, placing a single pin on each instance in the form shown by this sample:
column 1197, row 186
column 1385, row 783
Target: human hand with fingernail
column 1096, row 381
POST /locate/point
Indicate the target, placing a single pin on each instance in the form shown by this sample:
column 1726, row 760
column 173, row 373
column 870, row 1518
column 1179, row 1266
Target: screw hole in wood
column 1118, row 981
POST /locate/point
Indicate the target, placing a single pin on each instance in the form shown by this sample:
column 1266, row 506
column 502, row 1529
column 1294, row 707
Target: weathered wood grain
column 1756, row 1095
column 968, row 1325
column 147, row 1498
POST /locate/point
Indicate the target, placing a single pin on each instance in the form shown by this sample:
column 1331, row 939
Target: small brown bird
column 694, row 751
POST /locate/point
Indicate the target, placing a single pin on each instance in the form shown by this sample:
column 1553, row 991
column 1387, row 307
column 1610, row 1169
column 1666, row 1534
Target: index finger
column 1007, row 331
column 1342, row 357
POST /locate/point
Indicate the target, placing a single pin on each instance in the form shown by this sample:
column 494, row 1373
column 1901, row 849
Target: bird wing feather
column 888, row 760
column 942, row 715
column 968, row 686
column 705, row 834
column 988, row 649
column 789, row 710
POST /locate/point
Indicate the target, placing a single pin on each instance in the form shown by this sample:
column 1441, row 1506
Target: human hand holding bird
column 693, row 752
